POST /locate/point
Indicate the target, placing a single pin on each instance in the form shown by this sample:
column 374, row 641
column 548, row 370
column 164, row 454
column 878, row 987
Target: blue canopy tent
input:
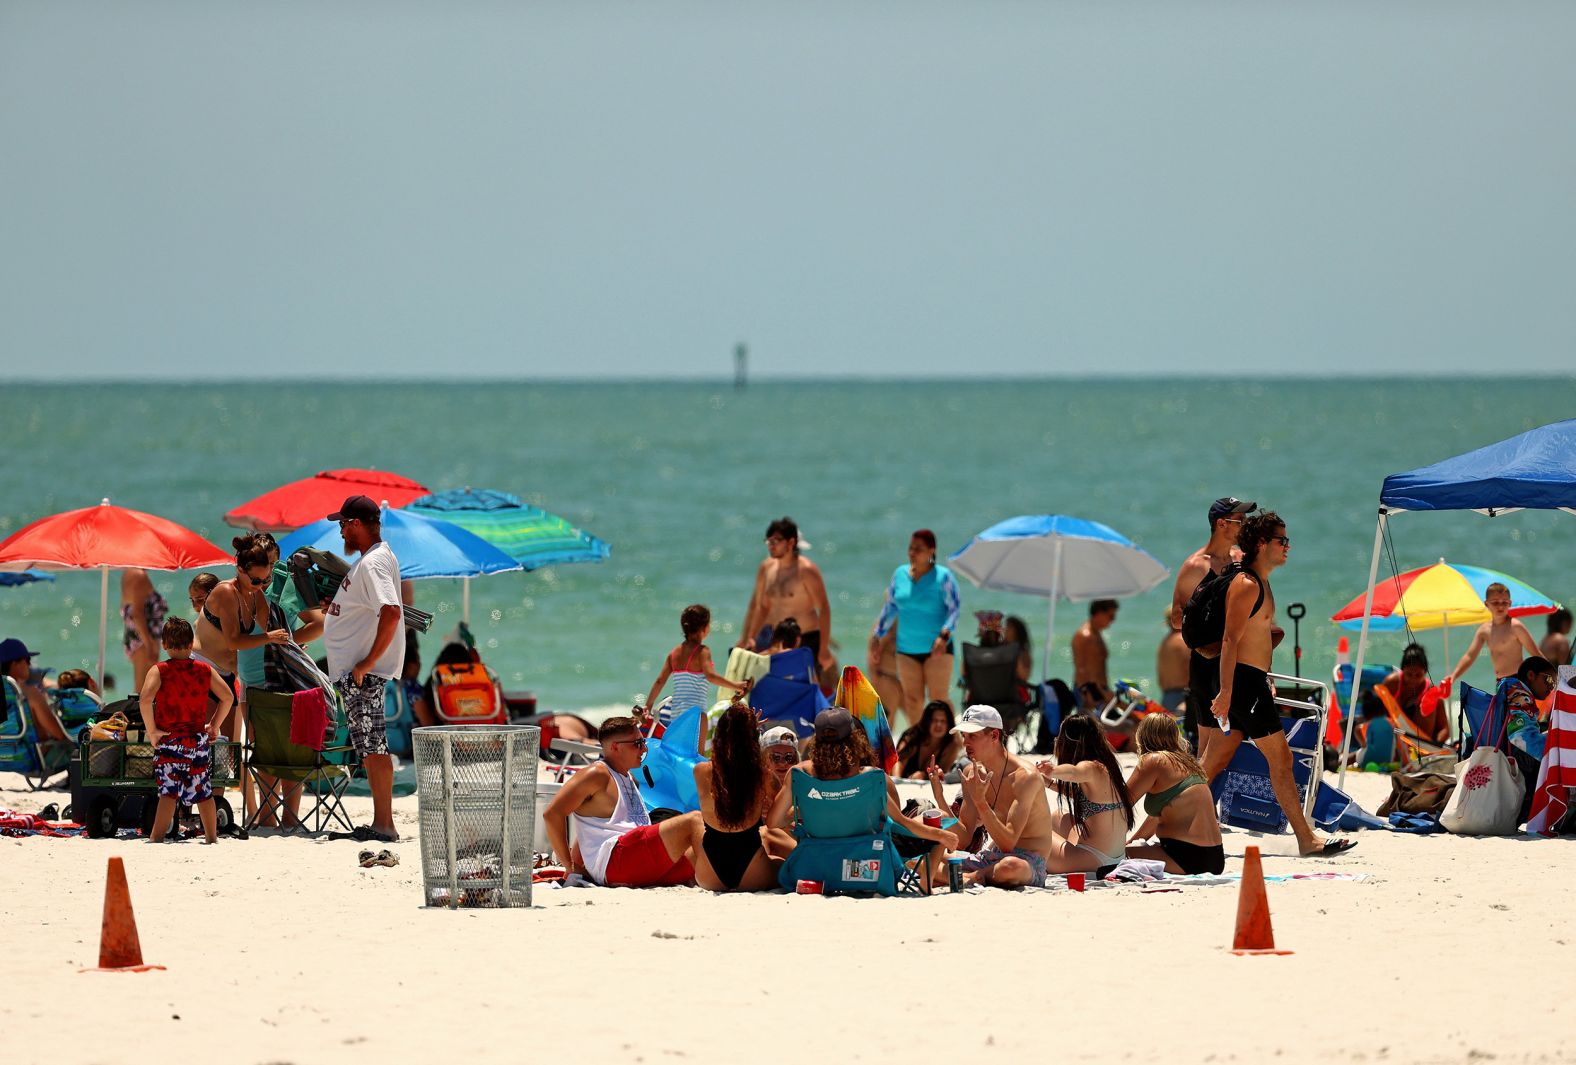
column 1533, row 471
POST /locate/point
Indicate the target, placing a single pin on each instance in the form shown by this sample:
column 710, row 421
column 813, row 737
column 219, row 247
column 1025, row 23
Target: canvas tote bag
column 1488, row 796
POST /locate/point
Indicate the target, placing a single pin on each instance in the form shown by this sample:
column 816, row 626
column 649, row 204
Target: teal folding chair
column 22, row 750
column 845, row 839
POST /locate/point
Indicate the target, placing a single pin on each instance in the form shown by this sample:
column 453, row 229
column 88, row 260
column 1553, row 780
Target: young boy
column 1506, row 637
column 1379, row 745
column 175, row 703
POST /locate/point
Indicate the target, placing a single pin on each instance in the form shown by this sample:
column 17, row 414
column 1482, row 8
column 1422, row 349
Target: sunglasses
column 788, row 758
column 347, row 521
column 1284, row 541
column 258, row 582
column 641, row 742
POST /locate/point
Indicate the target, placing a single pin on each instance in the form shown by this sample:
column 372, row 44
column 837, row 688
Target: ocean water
column 682, row 478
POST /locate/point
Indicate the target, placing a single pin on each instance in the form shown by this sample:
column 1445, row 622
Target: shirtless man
column 1090, row 678
column 1003, row 793
column 788, row 586
column 1556, row 645
column 1246, row 703
column 1226, row 515
column 1172, row 663
column 1506, row 637
column 617, row 845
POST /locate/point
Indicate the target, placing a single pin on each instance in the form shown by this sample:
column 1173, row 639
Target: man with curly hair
column 1245, row 705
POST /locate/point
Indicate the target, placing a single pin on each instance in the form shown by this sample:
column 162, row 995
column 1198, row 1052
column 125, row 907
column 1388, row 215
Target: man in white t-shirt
column 364, row 634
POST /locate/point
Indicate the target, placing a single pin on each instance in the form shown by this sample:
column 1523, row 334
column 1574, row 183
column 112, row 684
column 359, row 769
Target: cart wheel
column 223, row 815
column 101, row 818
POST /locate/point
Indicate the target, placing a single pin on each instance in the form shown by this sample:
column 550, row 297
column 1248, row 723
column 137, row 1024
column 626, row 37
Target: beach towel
column 18, row 825
column 1557, row 770
column 308, row 718
column 1418, row 793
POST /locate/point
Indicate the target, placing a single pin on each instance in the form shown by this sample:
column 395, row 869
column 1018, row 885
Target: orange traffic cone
column 120, row 951
column 1254, row 934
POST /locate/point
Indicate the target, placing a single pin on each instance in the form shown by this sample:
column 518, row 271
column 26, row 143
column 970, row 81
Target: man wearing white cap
column 1002, row 794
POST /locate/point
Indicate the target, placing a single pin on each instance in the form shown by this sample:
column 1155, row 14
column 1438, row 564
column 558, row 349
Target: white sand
column 282, row 950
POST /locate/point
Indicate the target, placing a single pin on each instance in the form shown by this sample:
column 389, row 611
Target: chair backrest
column 798, row 665
column 1342, row 688
column 790, row 702
column 16, row 726
column 1485, row 717
column 990, row 674
column 837, row 808
column 269, row 719
column 74, row 706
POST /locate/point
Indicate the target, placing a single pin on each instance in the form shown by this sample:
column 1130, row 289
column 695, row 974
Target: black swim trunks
column 1194, row 859
column 1203, row 684
column 812, row 640
column 1253, row 710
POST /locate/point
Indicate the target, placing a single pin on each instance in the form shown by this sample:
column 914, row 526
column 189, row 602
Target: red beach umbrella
column 106, row 537
column 308, row 500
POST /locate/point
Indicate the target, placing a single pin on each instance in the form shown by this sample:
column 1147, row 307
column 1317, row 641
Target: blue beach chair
column 1242, row 791
column 398, row 718
column 21, row 749
column 790, row 694
column 1475, row 707
column 845, row 839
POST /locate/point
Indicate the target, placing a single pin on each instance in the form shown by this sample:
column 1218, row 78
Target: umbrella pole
column 1445, row 628
column 103, row 620
column 1050, row 622
column 465, row 600
column 1362, row 645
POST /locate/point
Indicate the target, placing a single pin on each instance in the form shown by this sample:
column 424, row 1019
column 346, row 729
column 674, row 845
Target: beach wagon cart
column 112, row 784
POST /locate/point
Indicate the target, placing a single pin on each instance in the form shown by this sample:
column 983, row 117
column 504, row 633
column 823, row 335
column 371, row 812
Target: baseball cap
column 14, row 650
column 360, row 507
column 834, row 723
column 978, row 718
column 781, row 734
column 1227, row 505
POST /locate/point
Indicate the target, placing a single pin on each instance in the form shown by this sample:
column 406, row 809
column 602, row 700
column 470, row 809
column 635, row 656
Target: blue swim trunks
column 182, row 767
column 984, row 859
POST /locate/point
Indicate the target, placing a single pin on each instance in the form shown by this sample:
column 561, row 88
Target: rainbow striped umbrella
column 1443, row 594
column 530, row 535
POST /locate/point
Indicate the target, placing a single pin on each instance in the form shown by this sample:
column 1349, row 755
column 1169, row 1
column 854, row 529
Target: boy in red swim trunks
column 175, row 700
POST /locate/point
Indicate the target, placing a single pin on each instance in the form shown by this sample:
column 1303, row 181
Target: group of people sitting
column 1014, row 823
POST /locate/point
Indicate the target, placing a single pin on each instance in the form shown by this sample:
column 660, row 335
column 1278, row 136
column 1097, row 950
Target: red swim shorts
column 640, row 859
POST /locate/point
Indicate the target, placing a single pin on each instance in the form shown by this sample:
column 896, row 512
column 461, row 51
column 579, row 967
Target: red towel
column 308, row 718
column 1557, row 773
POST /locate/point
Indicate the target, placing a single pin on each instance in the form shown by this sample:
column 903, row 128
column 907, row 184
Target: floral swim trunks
column 182, row 767
column 364, row 710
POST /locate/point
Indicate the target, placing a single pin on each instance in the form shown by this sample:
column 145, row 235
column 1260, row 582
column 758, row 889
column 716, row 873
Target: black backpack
column 1204, row 617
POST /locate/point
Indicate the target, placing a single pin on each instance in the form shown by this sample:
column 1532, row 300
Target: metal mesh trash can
column 476, row 788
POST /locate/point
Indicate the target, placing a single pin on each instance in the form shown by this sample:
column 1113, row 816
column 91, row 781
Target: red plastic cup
column 811, row 887
column 932, row 818
column 1074, row 881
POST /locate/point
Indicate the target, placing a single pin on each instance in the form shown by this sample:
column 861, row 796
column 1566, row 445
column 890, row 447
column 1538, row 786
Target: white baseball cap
column 782, row 734
column 978, row 718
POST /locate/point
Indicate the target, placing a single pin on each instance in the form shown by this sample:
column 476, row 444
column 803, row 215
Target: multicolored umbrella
column 1441, row 595
column 425, row 547
column 308, row 500
column 106, row 537
column 530, row 535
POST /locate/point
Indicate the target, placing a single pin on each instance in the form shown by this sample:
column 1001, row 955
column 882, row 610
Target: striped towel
column 1557, row 771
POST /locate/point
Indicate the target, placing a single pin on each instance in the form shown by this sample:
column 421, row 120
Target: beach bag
column 1418, row 793
column 1204, row 616
column 464, row 694
column 1488, row 796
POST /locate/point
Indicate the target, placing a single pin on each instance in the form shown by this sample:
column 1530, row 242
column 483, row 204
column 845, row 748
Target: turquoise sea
column 682, row 478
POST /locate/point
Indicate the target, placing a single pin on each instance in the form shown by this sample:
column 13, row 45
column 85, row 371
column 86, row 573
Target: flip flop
column 365, row 834
column 385, row 858
column 1332, row 847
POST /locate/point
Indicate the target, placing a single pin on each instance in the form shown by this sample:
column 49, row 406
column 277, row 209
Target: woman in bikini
column 734, row 798
column 1093, row 814
column 235, row 617
column 1177, row 803
column 923, row 600
column 930, row 741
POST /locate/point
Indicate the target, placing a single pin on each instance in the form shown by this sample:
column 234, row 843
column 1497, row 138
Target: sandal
column 367, row 859
column 386, row 858
column 1332, row 847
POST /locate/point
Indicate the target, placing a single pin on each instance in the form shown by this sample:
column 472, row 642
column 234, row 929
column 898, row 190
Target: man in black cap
column 364, row 636
column 16, row 663
column 1226, row 515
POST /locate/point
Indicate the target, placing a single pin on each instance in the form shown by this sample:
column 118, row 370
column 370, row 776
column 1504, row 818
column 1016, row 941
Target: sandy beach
column 280, row 949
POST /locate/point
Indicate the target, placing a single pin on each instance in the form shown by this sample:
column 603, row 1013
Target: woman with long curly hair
column 734, row 797
column 930, row 742
column 1177, row 802
column 842, row 751
column 1094, row 814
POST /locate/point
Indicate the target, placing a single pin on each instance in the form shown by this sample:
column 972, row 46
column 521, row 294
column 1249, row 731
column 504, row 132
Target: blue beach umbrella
column 1058, row 557
column 531, row 535
column 26, row 576
column 424, row 546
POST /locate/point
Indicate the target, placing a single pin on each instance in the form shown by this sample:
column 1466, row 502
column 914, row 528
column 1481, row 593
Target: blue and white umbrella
column 26, row 576
column 1058, row 557
column 424, row 546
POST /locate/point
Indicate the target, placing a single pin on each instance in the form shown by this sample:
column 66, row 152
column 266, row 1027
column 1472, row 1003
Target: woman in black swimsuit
column 734, row 797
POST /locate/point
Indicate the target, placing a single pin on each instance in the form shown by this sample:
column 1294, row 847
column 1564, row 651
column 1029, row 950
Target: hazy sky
column 627, row 189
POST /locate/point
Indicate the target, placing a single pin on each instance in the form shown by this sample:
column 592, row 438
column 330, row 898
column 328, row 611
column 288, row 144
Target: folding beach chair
column 21, row 749
column 322, row 776
column 990, row 676
column 789, row 693
column 1410, row 743
column 1242, row 791
column 845, row 839
column 74, row 707
column 1475, row 707
column 398, row 718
